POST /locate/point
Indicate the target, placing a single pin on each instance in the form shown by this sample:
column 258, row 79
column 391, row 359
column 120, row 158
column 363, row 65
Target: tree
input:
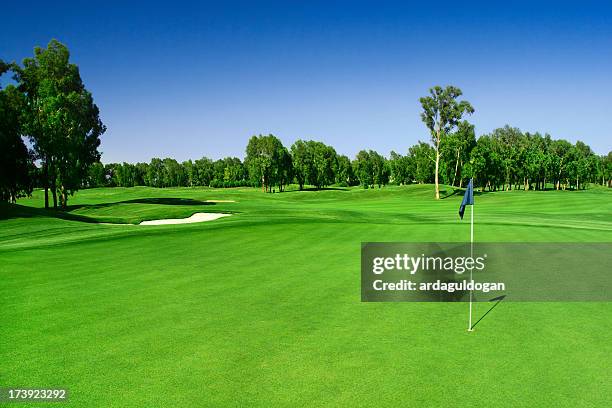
column 323, row 164
column 267, row 161
column 441, row 114
column 96, row 176
column 227, row 172
column 62, row 120
column 190, row 173
column 285, row 168
column 508, row 141
column 173, row 175
column 400, row 169
column 16, row 162
column 344, row 172
column 302, row 162
column 607, row 170
column 421, row 159
column 124, row 175
column 204, row 171
column 155, row 173
column 486, row 163
column 362, row 166
column 140, row 176
column 455, row 150
column 380, row 169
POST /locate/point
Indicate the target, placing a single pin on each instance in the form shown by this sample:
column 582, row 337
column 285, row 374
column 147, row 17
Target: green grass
column 263, row 308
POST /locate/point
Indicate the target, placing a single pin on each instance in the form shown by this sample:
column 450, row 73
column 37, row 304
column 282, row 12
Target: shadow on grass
column 317, row 189
column 499, row 299
column 446, row 194
column 8, row 211
column 157, row 201
column 460, row 192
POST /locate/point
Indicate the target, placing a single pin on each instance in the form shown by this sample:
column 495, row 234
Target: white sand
column 220, row 201
column 197, row 217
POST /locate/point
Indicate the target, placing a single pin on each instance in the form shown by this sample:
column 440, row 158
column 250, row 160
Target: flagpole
column 472, row 257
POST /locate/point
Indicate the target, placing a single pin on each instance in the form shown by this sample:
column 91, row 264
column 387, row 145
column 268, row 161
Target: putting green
column 263, row 308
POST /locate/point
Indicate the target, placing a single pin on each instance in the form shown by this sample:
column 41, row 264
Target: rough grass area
column 263, row 308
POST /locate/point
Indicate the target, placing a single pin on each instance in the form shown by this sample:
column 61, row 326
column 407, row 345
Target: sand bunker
column 197, row 217
column 220, row 201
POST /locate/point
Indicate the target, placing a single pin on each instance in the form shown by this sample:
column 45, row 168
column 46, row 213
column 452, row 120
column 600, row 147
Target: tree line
column 49, row 106
column 505, row 159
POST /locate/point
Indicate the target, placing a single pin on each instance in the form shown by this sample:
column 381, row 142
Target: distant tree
column 380, row 169
column 124, row 175
column 155, row 173
column 508, row 140
column 204, row 171
column 219, row 173
column 140, row 176
column 266, row 161
column 234, row 170
column 400, row 169
column 583, row 165
column 96, row 175
column 421, row 158
column 607, row 170
column 486, row 163
column 441, row 114
column 455, row 150
column 173, row 175
column 534, row 161
column 363, row 169
column 301, row 157
column 228, row 172
column 285, row 168
column 190, row 173
column 344, row 172
column 323, row 164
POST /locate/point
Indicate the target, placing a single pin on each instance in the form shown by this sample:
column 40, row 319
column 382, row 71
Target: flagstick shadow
column 487, row 312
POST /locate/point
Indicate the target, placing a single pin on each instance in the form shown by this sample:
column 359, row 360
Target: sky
column 186, row 80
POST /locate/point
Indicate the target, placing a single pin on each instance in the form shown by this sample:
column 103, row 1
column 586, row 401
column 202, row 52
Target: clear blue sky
column 189, row 80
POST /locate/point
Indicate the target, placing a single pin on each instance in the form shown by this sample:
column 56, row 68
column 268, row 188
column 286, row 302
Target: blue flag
column 468, row 198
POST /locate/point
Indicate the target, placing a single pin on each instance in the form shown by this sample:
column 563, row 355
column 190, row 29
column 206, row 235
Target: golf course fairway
column 263, row 308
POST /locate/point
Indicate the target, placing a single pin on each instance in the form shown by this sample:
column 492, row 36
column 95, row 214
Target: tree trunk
column 456, row 168
column 437, row 165
column 46, row 183
column 54, row 193
column 63, row 199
